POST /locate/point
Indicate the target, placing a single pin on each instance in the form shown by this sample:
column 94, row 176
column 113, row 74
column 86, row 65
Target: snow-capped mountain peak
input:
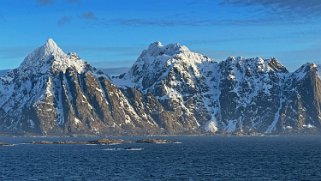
column 51, row 47
column 158, row 60
column 51, row 57
column 43, row 53
column 165, row 54
column 157, row 48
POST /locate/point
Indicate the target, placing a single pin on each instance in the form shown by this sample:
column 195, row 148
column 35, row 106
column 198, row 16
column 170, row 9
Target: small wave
column 23, row 144
column 123, row 149
column 134, row 149
column 9, row 145
column 114, row 144
column 103, row 144
column 110, row 149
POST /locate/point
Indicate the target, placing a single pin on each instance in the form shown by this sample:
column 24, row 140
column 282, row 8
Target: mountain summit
column 50, row 57
column 169, row 90
column 42, row 54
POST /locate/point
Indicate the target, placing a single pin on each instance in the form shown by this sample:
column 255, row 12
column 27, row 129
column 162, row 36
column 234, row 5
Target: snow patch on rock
column 211, row 127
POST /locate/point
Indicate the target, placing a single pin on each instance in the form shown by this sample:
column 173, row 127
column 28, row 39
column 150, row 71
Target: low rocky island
column 104, row 141
column 4, row 144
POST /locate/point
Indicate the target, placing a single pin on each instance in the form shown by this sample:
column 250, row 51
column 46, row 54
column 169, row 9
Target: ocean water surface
column 195, row 158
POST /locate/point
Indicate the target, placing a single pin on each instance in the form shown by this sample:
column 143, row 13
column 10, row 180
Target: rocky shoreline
column 103, row 141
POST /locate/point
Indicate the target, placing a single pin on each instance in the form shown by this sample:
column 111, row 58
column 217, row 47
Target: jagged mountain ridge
column 237, row 95
column 168, row 90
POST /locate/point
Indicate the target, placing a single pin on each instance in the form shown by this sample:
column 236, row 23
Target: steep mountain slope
column 251, row 91
column 175, row 75
column 301, row 111
column 57, row 93
column 168, row 90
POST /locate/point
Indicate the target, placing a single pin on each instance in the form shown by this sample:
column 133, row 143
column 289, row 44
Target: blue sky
column 110, row 33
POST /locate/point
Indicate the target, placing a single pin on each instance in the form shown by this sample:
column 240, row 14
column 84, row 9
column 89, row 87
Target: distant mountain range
column 168, row 90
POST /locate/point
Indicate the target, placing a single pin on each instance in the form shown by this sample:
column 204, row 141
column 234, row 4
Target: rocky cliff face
column 300, row 108
column 169, row 90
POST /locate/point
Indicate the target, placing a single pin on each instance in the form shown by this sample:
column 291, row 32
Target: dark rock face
column 169, row 90
column 300, row 110
column 250, row 93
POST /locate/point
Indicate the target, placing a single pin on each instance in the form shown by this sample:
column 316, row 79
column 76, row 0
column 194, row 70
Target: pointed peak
column 307, row 65
column 306, row 69
column 51, row 47
column 41, row 55
column 51, row 43
column 311, row 65
column 277, row 66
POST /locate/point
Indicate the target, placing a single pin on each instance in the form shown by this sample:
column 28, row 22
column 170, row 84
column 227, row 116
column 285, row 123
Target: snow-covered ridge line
column 158, row 59
column 168, row 90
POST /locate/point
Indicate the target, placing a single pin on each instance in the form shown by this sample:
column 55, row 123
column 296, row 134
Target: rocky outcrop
column 4, row 144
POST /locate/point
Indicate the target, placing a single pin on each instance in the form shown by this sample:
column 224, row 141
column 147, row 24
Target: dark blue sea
column 195, row 158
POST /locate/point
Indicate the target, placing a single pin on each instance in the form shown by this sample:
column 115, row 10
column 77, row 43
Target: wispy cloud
column 187, row 22
column 88, row 16
column 50, row 2
column 45, row 2
column 295, row 35
column 286, row 8
column 64, row 20
column 275, row 12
